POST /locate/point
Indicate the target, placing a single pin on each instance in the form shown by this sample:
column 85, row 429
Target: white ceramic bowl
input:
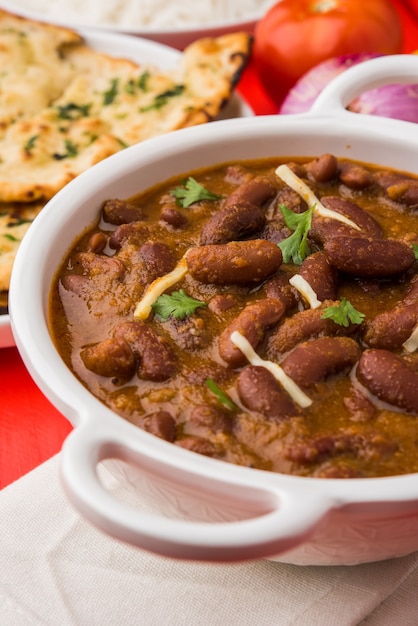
column 176, row 37
column 204, row 508
column 144, row 52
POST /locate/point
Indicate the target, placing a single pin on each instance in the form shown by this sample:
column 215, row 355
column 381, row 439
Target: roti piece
column 99, row 105
column 15, row 219
column 65, row 107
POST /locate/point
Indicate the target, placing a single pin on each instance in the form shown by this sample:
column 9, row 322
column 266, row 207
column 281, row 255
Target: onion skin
column 302, row 96
column 396, row 101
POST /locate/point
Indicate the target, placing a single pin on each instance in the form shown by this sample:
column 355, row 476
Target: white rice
column 148, row 14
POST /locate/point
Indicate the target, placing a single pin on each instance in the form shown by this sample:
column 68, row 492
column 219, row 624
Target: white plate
column 178, row 37
column 145, row 52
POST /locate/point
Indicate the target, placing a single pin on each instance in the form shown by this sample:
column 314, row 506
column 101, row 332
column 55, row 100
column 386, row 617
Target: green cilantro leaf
column 415, row 249
column 222, row 397
column 143, row 80
column 110, row 95
column 73, row 111
column 192, row 192
column 343, row 313
column 71, row 151
column 178, row 305
column 10, row 237
column 295, row 247
column 30, row 144
column 161, row 99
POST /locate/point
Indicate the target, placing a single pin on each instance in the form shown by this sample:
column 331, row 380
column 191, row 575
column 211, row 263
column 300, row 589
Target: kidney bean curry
column 261, row 312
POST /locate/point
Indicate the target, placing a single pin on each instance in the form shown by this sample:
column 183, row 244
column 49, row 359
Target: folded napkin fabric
column 56, row 569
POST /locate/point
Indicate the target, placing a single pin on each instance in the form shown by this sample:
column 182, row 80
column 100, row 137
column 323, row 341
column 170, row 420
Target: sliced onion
column 397, row 101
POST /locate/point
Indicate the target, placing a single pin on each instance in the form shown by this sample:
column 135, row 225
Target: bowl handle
column 385, row 70
column 280, row 519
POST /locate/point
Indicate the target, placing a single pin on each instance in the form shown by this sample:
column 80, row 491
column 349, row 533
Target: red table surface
column 31, row 429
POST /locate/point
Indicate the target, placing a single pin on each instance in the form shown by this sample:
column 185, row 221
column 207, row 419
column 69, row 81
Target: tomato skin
column 295, row 35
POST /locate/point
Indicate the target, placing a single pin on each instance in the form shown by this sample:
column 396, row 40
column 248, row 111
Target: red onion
column 398, row 101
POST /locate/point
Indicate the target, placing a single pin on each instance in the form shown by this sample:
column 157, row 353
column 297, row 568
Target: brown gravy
column 182, row 380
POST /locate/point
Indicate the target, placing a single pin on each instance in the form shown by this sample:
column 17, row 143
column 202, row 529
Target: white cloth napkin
column 57, row 570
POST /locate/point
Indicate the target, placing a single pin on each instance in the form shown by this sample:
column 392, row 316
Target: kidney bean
column 162, row 425
column 325, row 228
column 323, row 169
column 110, row 358
column 386, row 178
column 133, row 233
column 210, row 418
column 372, row 258
column 359, row 407
column 411, row 295
column 236, row 174
column 98, row 242
column 258, row 190
column 158, row 258
column 157, row 361
column 279, row 288
column 235, row 222
column 302, row 326
column 117, row 212
column 259, row 391
column 322, row 277
column 390, row 329
column 389, row 378
column 315, row 360
column 173, row 217
column 222, row 302
column 275, row 231
column 98, row 264
column 253, row 322
column 291, row 199
column 197, row 444
column 76, row 283
column 190, row 334
column 354, row 175
column 237, row 262
column 312, row 450
column 405, row 192
column 217, row 371
column 368, row 224
column 370, row 446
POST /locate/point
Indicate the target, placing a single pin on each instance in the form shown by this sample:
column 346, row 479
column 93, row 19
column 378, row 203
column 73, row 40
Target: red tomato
column 296, row 35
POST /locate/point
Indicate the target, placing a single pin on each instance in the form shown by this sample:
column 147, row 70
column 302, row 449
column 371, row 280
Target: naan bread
column 87, row 105
column 65, row 107
column 15, row 219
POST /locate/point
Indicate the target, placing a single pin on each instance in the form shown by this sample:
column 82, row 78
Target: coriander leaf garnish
column 178, row 305
column 161, row 99
column 295, row 248
column 222, row 397
column 343, row 313
column 143, row 80
column 192, row 192
column 415, row 250
column 110, row 95
column 71, row 150
column 30, row 144
column 73, row 111
column 10, row 237
column 130, row 87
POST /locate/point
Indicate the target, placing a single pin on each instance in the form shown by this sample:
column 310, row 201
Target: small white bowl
column 203, row 508
column 176, row 37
